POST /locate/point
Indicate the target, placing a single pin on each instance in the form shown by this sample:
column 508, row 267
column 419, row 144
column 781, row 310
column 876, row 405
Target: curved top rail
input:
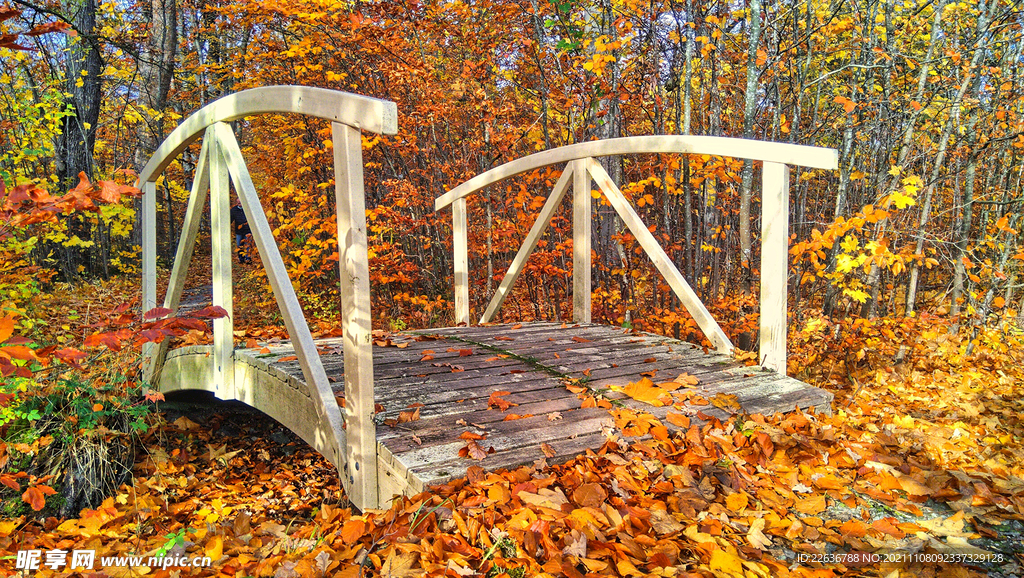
column 807, row 156
column 361, row 112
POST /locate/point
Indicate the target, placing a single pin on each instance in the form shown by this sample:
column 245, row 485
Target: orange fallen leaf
column 737, row 502
column 35, row 496
column 473, row 450
column 495, row 400
column 677, row 419
column 548, row 450
column 811, row 505
column 352, row 531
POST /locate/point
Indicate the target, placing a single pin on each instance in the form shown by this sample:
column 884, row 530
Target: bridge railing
column 348, row 440
column 581, row 167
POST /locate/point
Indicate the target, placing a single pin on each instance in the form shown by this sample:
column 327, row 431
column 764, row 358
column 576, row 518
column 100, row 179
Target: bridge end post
column 148, row 260
column 223, row 291
column 360, row 431
column 581, row 224
column 774, row 265
column 460, row 250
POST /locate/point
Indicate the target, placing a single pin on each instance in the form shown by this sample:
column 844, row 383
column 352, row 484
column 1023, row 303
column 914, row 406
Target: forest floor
column 917, row 473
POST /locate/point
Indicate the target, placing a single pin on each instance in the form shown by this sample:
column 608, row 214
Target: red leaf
column 48, row 28
column 465, row 352
column 8, row 480
column 211, row 312
column 70, row 356
column 108, row 339
column 473, row 450
column 6, row 13
column 578, row 339
column 19, row 352
column 157, row 312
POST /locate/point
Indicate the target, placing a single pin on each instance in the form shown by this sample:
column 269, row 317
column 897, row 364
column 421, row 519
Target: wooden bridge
column 326, row 390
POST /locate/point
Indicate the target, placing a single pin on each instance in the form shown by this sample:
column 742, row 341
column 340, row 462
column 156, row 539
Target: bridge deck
column 452, row 372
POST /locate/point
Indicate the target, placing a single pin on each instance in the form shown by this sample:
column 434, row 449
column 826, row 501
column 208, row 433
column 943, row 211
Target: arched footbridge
column 326, row 390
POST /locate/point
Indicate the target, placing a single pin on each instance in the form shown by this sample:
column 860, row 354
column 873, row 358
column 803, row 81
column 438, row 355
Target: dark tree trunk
column 78, row 132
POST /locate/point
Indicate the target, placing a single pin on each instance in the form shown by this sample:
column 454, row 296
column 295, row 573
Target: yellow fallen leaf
column 215, row 548
column 8, row 526
column 723, row 562
column 756, row 537
column 647, row 392
column 736, row 502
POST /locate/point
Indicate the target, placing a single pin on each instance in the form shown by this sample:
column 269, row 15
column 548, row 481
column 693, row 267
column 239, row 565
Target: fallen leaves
column 495, row 400
column 474, row 451
column 648, row 392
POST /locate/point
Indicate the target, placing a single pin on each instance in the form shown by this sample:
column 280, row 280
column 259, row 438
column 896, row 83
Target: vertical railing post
column 774, row 264
column 148, row 258
column 221, row 237
column 460, row 250
column 183, row 256
column 361, row 438
column 581, row 222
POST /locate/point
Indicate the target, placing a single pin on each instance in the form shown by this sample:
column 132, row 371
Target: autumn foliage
column 904, row 275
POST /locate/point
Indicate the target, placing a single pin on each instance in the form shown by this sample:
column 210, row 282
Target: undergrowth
column 72, row 434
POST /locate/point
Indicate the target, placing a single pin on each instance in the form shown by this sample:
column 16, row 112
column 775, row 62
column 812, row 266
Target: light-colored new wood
column 361, row 445
column 581, row 223
column 660, row 259
column 221, row 239
column 460, row 260
column 362, row 112
column 186, row 247
column 148, row 260
column 331, row 436
column 774, row 265
column 806, row 156
column 529, row 244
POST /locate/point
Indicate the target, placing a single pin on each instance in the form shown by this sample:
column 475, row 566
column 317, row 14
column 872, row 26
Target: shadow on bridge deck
column 449, row 375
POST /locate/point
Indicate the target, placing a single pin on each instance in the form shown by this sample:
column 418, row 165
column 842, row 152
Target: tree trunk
column 749, row 114
column 947, row 129
column 77, row 140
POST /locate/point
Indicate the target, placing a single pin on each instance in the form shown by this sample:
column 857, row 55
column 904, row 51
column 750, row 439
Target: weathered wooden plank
column 447, row 422
column 537, row 425
column 565, row 450
column 419, row 457
column 426, row 451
